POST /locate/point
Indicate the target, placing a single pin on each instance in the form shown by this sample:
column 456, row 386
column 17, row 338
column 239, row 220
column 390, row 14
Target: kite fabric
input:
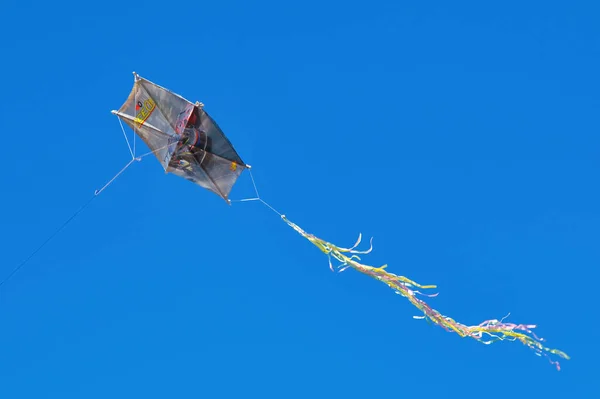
column 184, row 138
column 188, row 143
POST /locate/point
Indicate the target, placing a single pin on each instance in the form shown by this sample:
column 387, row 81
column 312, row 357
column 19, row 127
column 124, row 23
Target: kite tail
column 496, row 330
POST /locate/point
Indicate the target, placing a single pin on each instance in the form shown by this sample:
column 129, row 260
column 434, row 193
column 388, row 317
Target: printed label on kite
column 144, row 110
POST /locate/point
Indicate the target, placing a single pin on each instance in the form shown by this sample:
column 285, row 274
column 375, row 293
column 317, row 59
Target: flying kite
column 188, row 143
column 184, row 138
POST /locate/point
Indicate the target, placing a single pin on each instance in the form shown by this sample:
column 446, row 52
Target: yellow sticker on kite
column 144, row 110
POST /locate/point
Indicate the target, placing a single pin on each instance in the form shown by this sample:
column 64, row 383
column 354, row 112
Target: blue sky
column 463, row 138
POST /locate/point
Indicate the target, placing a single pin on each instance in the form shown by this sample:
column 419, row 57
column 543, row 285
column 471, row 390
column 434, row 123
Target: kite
column 188, row 143
column 184, row 138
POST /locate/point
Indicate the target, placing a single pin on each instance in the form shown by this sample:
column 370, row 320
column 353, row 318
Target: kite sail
column 189, row 143
column 184, row 138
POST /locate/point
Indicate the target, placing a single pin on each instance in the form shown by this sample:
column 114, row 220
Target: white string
column 85, row 205
column 126, row 166
column 257, row 198
column 55, row 233
column 126, row 139
column 253, row 183
column 97, row 192
column 133, row 158
column 273, row 209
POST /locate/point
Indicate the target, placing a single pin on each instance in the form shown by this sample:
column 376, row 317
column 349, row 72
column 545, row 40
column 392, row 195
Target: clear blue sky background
column 463, row 137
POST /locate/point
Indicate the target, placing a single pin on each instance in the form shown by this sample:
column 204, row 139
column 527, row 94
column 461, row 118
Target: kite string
column 66, row 222
column 20, row 265
column 258, row 197
column 132, row 152
column 127, row 166
column 85, row 205
column 97, row 192
column 270, row 207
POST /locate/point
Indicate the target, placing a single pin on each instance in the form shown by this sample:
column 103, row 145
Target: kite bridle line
column 258, row 197
column 133, row 158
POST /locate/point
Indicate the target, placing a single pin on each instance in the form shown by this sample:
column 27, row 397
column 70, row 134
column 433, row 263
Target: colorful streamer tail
column 496, row 330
